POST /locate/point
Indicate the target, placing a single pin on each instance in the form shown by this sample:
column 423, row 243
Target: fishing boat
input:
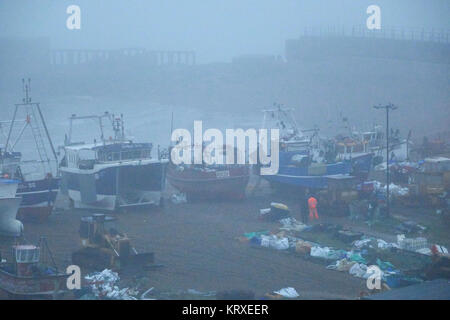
column 38, row 198
column 38, row 190
column 38, row 195
column 304, row 160
column 299, row 169
column 110, row 173
column 356, row 151
column 27, row 275
column 9, row 205
column 209, row 181
column 357, row 144
column 398, row 147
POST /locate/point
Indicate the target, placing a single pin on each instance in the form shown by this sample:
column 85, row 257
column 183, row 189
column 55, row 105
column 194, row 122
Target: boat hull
column 310, row 182
column 312, row 177
column 8, row 188
column 361, row 164
column 227, row 183
column 114, row 187
column 50, row 285
column 38, row 198
column 9, row 226
column 397, row 151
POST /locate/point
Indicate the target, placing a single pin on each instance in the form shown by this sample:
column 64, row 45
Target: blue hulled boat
column 297, row 169
column 304, row 160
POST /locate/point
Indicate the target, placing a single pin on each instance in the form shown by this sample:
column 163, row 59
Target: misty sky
column 216, row 29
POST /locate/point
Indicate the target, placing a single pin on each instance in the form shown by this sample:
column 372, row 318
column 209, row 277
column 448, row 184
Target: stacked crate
column 434, row 178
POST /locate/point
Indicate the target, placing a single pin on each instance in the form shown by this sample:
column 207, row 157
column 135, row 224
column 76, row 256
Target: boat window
column 27, row 254
column 125, row 155
column 86, row 155
column 295, row 147
column 358, row 148
column 147, row 153
column 134, row 154
column 72, row 158
column 109, row 156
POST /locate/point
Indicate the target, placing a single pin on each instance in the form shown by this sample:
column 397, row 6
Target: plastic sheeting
column 291, row 224
column 274, row 242
column 342, row 265
column 288, row 292
column 103, row 286
column 394, row 189
column 359, row 270
column 327, row 253
column 374, row 243
column 178, row 198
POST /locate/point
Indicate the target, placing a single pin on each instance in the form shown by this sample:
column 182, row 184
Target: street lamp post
column 388, row 107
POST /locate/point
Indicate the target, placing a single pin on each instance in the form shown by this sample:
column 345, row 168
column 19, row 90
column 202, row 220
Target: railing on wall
column 79, row 56
column 397, row 33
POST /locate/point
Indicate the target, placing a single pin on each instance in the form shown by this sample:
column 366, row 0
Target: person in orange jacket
column 312, row 205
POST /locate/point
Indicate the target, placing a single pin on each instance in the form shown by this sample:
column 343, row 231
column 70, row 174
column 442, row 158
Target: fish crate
column 436, row 165
column 414, row 244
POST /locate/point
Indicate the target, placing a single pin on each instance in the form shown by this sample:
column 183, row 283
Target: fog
column 165, row 64
column 216, row 30
column 241, row 63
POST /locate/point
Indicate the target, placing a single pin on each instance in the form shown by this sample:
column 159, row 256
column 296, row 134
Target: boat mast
column 98, row 119
column 171, row 126
column 118, row 128
column 30, row 106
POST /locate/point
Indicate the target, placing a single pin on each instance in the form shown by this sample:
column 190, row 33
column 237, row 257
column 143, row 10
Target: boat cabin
column 25, row 260
column 349, row 146
column 9, row 162
column 26, row 257
column 295, row 146
column 86, row 156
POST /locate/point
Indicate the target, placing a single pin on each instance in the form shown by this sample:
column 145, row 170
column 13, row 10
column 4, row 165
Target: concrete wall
column 128, row 55
column 316, row 47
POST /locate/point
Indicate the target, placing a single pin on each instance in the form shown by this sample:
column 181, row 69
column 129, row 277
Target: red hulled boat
column 202, row 181
column 27, row 276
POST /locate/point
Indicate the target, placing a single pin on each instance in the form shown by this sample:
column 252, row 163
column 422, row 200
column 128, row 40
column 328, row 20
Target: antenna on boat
column 100, row 122
column 123, row 127
column 171, row 127
column 26, row 88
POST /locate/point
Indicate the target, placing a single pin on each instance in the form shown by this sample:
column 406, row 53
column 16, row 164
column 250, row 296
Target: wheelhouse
column 85, row 156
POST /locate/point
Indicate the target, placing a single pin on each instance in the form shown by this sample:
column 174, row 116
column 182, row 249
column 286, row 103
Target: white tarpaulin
column 287, row 292
column 274, row 242
column 103, row 286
